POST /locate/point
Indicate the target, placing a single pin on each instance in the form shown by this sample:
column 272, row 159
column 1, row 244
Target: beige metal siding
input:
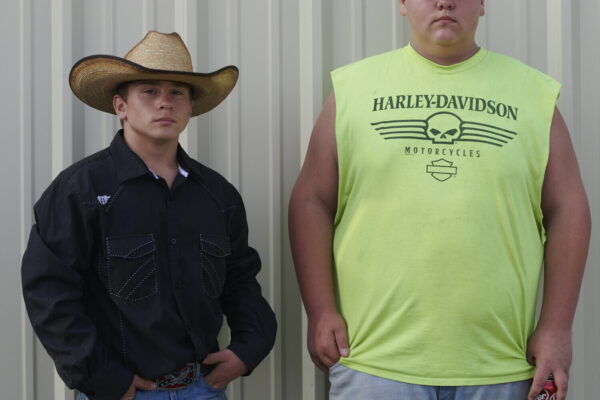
column 256, row 138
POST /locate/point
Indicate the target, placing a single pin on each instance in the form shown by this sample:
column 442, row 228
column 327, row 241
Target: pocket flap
column 215, row 244
column 130, row 246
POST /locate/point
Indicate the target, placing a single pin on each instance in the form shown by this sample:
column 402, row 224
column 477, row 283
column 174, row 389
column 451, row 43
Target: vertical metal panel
column 61, row 107
column 41, row 81
column 481, row 36
column 181, row 8
column 379, row 30
column 97, row 39
column 108, row 32
column 589, row 93
column 274, row 206
column 26, row 191
column 347, row 24
column 260, row 172
column 397, row 26
column 219, row 130
column 181, row 11
column 13, row 154
column 198, row 22
column 290, row 318
column 521, row 15
column 311, row 100
column 148, row 15
column 503, row 26
column 554, row 34
column 165, row 15
column 535, row 35
column 41, row 165
column 62, row 134
column 223, row 22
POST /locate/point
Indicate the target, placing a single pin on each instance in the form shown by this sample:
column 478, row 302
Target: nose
column 164, row 100
column 445, row 5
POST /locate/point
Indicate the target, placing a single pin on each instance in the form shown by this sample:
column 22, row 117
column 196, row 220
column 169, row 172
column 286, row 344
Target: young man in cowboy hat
column 138, row 250
column 438, row 179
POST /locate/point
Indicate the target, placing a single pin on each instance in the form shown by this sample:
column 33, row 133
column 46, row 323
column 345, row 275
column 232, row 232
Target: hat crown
column 162, row 51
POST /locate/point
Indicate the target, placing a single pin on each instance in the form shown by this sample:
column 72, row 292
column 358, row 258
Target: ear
column 403, row 7
column 482, row 12
column 120, row 107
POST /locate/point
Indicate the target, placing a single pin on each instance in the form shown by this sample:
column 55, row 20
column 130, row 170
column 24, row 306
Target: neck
column 159, row 156
column 445, row 55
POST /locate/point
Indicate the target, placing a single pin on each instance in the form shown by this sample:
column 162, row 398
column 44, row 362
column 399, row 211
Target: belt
column 180, row 378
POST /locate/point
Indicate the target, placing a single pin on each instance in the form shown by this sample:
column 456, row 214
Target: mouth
column 164, row 121
column 444, row 19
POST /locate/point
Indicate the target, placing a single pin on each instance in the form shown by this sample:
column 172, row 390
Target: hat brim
column 95, row 79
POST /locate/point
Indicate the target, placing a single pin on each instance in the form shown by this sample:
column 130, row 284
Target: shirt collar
column 188, row 164
column 182, row 172
column 129, row 165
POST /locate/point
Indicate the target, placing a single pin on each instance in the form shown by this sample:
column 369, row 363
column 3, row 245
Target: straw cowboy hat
column 159, row 56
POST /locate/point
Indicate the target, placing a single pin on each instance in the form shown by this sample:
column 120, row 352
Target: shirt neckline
column 469, row 63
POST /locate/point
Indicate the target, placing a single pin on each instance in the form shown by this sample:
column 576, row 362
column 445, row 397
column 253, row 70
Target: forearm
column 568, row 228
column 311, row 236
column 253, row 328
column 251, row 319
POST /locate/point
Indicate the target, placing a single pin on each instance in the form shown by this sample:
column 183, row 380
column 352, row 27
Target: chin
column 446, row 40
column 165, row 135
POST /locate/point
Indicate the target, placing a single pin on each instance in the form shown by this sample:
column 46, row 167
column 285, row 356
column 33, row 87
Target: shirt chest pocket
column 131, row 265
column 214, row 249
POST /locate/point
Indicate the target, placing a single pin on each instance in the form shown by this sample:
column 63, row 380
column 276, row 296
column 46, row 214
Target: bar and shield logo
column 441, row 169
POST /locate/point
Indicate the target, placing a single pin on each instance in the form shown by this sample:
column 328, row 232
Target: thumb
column 213, row 358
column 537, row 384
column 143, row 384
column 341, row 340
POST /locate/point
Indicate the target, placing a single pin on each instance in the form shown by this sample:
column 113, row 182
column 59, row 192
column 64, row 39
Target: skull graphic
column 443, row 127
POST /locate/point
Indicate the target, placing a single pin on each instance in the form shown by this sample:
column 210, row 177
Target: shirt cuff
column 251, row 355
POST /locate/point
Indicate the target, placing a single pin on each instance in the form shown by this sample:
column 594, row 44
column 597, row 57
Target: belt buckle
column 178, row 379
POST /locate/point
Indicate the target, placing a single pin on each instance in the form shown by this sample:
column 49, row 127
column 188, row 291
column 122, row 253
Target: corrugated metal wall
column 256, row 138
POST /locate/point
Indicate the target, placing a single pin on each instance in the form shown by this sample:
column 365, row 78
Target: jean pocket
column 214, row 249
column 131, row 265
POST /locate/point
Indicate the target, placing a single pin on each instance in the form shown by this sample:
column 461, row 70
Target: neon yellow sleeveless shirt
column 438, row 241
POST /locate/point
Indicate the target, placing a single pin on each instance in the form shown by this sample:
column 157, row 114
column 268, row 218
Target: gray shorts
column 348, row 384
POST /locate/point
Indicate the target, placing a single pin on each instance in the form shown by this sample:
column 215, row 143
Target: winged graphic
column 444, row 128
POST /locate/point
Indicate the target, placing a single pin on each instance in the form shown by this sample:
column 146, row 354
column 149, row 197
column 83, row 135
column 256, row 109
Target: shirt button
column 173, row 241
column 177, row 284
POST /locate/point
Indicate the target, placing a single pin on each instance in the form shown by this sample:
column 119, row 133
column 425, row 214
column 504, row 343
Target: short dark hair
column 123, row 89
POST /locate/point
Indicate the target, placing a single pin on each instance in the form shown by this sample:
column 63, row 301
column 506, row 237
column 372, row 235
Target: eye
column 178, row 92
column 148, row 91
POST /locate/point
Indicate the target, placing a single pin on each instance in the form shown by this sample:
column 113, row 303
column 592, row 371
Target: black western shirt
column 123, row 275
